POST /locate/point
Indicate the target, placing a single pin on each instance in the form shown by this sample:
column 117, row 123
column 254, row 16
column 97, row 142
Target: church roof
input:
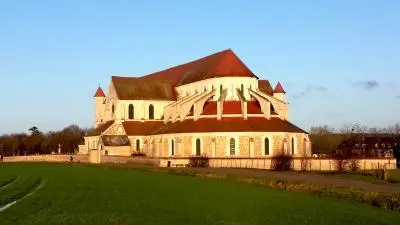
column 279, row 88
column 141, row 88
column 160, row 85
column 140, row 128
column 252, row 124
column 265, row 86
column 99, row 93
column 100, row 129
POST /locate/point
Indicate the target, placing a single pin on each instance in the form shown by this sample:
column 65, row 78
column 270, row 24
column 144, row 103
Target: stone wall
column 309, row 164
column 47, row 158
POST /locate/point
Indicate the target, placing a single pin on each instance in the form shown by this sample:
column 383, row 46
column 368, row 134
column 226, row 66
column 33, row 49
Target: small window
column 172, row 147
column 266, row 146
column 198, row 147
column 292, row 146
column 242, row 88
column 137, row 145
column 112, row 108
column 232, row 146
column 130, row 112
column 220, row 89
column 151, row 111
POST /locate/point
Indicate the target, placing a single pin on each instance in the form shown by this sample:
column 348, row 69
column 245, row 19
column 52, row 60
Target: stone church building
column 214, row 106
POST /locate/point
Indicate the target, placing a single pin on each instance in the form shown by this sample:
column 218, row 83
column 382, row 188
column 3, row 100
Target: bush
column 282, row 162
column 199, row 161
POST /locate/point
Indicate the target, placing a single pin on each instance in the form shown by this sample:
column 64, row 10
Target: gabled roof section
column 99, row 93
column 142, row 88
column 221, row 64
column 115, row 140
column 206, row 125
column 279, row 88
column 101, row 128
column 265, row 86
column 133, row 128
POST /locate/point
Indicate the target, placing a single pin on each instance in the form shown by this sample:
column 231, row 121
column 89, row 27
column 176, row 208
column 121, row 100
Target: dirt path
column 304, row 177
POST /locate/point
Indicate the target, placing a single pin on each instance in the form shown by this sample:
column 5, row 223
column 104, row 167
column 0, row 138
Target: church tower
column 99, row 106
column 279, row 93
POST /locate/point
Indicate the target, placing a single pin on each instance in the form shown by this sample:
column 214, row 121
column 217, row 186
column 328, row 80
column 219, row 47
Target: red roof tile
column 139, row 128
column 210, row 108
column 160, row 85
column 140, row 88
column 253, row 108
column 279, row 88
column 220, row 64
column 265, row 86
column 252, row 124
column 232, row 107
column 99, row 93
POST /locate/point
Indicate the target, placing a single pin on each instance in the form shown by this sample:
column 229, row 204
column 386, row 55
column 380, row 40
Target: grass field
column 100, row 194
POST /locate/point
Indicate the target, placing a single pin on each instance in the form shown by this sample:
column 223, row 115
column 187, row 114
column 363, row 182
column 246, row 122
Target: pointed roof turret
column 99, row 93
column 279, row 89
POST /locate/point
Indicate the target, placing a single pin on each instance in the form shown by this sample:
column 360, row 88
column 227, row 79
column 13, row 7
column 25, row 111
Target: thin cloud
column 309, row 90
column 398, row 97
column 367, row 85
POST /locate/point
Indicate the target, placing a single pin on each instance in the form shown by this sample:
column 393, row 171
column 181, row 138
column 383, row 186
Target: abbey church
column 214, row 106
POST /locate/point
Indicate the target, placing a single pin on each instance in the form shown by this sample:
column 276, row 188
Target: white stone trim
column 237, row 145
column 271, row 145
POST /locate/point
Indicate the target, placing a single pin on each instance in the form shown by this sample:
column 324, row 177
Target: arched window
column 112, row 108
column 198, row 145
column 151, row 111
column 130, row 112
column 292, row 146
column 305, row 146
column 220, row 89
column 232, row 146
column 266, row 146
column 137, row 145
column 242, row 88
column 172, row 147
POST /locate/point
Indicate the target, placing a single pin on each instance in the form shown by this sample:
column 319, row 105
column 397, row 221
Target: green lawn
column 98, row 194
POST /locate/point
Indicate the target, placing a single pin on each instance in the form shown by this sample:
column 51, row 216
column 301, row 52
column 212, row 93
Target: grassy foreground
column 99, row 194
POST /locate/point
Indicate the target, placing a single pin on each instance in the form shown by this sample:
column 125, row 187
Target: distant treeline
column 36, row 142
column 326, row 140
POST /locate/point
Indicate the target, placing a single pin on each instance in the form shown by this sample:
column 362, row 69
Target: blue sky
column 339, row 61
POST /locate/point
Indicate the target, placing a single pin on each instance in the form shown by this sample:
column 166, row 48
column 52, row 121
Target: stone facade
column 252, row 119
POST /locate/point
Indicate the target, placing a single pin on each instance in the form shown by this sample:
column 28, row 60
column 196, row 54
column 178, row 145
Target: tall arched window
column 220, row 89
column 266, row 146
column 151, row 111
column 112, row 108
column 131, row 112
column 242, row 88
column 198, row 147
column 232, row 146
column 305, row 146
column 172, row 147
column 292, row 146
column 137, row 145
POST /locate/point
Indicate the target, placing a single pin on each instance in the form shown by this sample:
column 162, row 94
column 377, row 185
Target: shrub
column 199, row 161
column 282, row 162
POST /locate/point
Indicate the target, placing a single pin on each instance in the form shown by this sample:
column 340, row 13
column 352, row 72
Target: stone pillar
column 213, row 147
column 251, row 147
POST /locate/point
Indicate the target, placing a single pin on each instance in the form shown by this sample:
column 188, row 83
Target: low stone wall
column 310, row 164
column 47, row 158
column 129, row 159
